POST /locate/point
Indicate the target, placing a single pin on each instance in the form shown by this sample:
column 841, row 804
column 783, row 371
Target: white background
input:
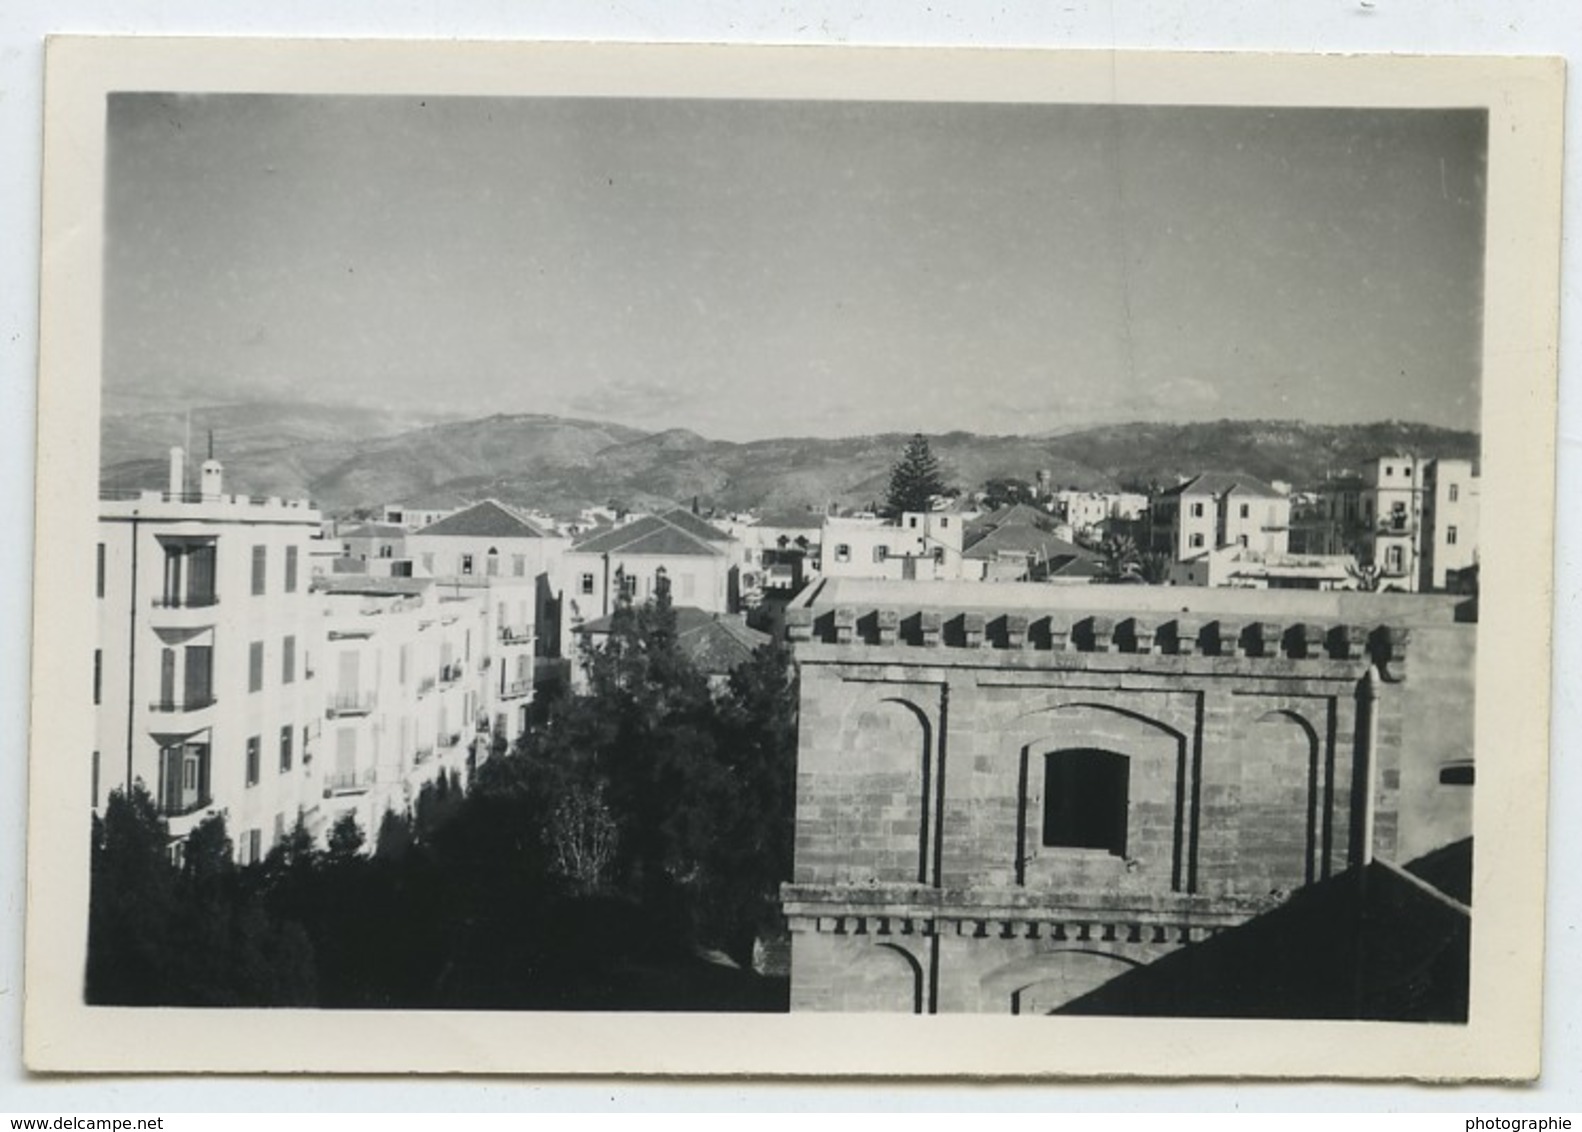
column 1375, row 26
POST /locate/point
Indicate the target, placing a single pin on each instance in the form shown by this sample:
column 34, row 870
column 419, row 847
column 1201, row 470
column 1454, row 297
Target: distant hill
column 343, row 461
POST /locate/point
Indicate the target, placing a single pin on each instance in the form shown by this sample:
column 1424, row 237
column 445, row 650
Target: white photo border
column 1500, row 1040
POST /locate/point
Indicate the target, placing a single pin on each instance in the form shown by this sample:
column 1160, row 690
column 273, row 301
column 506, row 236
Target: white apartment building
column 698, row 564
column 1084, row 511
column 1420, row 520
column 406, row 679
column 205, row 685
column 917, row 545
column 490, row 543
column 1214, row 510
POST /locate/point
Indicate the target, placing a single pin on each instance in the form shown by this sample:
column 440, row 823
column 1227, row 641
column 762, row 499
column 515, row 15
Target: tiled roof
column 699, row 528
column 652, row 534
column 374, row 530
column 1223, row 483
column 488, row 519
column 1018, row 539
column 791, row 520
column 715, row 642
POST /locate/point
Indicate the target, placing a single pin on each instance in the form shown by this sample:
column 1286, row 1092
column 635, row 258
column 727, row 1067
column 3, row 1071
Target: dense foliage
column 915, row 479
column 635, row 835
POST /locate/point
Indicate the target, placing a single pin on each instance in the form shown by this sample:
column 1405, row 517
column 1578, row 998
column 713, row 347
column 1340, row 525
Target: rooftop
column 715, row 642
column 488, row 519
column 1223, row 483
column 655, row 535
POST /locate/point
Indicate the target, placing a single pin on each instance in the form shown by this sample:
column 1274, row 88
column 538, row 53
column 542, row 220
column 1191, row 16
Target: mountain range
column 347, row 458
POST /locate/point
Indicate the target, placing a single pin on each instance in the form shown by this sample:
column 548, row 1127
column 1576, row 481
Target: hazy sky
column 777, row 268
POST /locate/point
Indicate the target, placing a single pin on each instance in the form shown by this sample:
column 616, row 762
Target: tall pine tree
column 915, row 479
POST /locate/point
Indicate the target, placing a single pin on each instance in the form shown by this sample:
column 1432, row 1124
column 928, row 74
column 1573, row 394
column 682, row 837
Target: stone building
column 1009, row 796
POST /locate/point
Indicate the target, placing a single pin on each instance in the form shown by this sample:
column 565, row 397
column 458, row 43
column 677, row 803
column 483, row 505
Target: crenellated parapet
column 1079, row 632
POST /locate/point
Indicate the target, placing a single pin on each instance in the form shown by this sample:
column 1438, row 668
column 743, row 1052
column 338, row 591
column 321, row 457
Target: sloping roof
column 374, row 530
column 791, row 519
column 715, row 642
column 1223, row 483
column 652, row 534
column 1018, row 539
column 489, row 519
column 698, row 528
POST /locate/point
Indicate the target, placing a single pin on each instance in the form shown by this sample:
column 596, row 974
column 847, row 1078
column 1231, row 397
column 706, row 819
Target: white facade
column 406, row 679
column 205, row 680
column 918, row 545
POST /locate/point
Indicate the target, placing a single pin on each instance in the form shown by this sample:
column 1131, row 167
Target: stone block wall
column 924, row 873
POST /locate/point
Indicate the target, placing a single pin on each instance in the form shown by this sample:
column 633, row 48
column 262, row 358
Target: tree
column 915, row 479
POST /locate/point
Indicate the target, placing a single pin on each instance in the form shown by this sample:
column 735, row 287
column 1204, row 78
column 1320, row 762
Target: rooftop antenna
column 211, row 444
column 186, row 449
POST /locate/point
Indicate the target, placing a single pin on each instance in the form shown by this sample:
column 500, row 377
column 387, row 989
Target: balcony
column 425, row 686
column 422, row 755
column 515, row 635
column 452, row 739
column 183, row 611
column 186, row 601
column 343, row 704
column 351, row 781
column 450, row 673
column 516, row 689
column 182, row 705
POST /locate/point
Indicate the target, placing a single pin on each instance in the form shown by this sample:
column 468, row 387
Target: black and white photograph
column 792, row 547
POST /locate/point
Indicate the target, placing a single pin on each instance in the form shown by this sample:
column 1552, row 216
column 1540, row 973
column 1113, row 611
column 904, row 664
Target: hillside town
column 307, row 675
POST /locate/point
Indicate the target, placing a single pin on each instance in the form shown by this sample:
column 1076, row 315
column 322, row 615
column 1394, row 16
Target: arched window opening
column 1085, row 797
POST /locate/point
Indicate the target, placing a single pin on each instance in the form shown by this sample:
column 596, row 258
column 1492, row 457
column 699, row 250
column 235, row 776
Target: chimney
column 211, row 479
column 178, row 472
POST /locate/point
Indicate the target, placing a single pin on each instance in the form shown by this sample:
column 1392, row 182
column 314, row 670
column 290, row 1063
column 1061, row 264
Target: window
column 1246, row 511
column 252, row 847
column 1241, row 540
column 880, row 553
column 291, row 567
column 587, row 583
column 1197, row 510
column 912, row 522
column 96, row 780
column 628, row 584
column 260, row 563
column 1456, row 774
column 661, row 581
column 253, row 748
column 492, row 563
column 98, row 675
column 842, row 552
column 255, row 666
column 1454, row 491
column 939, row 556
column 519, row 565
column 466, row 564
column 1393, row 559
column 385, row 551
column 428, row 562
column 1450, row 536
column 1389, row 469
column 1085, row 800
column 944, row 523
column 99, row 585
column 1197, row 540
column 285, row 748
column 288, row 660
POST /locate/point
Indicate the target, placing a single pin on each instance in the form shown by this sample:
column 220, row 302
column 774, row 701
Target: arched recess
column 1280, row 829
column 884, row 978
column 1043, row 983
column 1144, row 790
column 878, row 796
